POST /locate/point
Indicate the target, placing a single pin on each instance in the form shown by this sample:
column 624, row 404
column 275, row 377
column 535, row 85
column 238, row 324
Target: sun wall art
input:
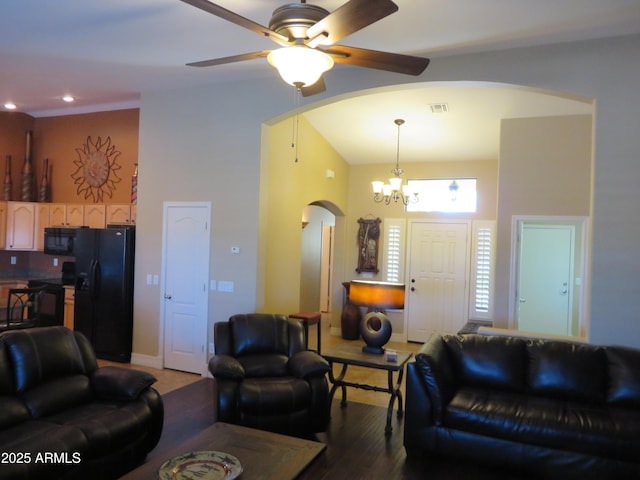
column 97, row 172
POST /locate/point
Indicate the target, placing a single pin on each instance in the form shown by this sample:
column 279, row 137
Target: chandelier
column 394, row 190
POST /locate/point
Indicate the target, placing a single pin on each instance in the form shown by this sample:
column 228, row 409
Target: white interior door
column 325, row 268
column 438, row 266
column 545, row 273
column 186, row 272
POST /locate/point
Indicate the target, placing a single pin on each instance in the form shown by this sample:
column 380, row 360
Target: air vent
column 439, row 107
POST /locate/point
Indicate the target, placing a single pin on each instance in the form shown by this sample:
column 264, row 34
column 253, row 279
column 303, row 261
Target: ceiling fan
column 306, row 35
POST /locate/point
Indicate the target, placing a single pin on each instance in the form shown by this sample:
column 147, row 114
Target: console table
column 353, row 355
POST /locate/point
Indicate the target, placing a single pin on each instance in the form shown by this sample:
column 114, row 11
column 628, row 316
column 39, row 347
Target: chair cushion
column 274, row 396
column 266, row 365
column 259, row 333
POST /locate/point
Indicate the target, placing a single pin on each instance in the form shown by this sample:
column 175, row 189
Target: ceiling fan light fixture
column 299, row 65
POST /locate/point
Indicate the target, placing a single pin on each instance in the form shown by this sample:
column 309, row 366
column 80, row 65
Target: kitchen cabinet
column 121, row 214
column 3, row 224
column 42, row 221
column 66, row 215
column 95, row 215
column 21, row 224
column 69, row 305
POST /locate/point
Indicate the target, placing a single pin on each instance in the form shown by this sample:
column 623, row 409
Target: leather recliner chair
column 266, row 378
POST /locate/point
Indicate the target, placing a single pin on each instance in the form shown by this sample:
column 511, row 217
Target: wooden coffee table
column 263, row 455
column 353, row 355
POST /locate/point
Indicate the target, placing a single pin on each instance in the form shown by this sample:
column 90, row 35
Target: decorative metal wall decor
column 96, row 175
column 368, row 241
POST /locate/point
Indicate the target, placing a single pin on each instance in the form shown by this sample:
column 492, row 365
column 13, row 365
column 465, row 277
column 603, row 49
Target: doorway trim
column 582, row 263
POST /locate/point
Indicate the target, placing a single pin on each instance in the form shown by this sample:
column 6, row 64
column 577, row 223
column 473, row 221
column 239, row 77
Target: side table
column 353, row 355
column 310, row 318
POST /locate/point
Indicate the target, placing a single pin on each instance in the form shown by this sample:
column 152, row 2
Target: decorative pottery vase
column 27, row 173
column 8, row 185
column 43, row 194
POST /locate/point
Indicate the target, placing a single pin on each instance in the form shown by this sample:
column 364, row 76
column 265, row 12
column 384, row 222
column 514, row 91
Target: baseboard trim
column 146, row 360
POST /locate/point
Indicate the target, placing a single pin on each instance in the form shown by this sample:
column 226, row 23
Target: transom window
column 441, row 195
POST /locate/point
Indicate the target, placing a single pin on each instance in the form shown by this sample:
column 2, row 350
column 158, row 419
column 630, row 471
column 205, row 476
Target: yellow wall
column 361, row 202
column 290, row 186
column 57, row 139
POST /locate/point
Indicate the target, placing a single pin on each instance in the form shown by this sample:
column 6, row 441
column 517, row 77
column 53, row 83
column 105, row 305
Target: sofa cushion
column 624, row 377
column 489, row 361
column 565, row 370
column 42, row 354
column 51, row 397
column 586, row 428
column 118, row 383
column 6, row 373
column 106, row 425
column 38, row 437
column 12, row 411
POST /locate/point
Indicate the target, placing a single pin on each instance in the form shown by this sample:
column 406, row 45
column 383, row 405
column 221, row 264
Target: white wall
column 204, row 144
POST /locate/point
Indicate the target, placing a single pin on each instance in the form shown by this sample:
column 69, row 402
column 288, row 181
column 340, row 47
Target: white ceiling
column 105, row 52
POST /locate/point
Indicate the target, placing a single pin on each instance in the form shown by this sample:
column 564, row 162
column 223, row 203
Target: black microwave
column 59, row 241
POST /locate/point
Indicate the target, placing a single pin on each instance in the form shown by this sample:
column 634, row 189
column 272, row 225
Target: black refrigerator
column 104, row 290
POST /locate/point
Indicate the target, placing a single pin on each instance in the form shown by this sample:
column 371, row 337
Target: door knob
column 167, row 296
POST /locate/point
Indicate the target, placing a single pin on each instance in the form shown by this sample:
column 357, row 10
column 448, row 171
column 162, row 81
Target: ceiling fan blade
column 349, row 18
column 233, row 17
column 314, row 89
column 391, row 62
column 231, row 59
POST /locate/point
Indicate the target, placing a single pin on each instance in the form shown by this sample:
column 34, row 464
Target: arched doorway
column 318, row 228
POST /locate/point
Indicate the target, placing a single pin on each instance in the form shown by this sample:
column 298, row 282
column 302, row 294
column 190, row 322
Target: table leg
column 395, row 392
column 338, row 382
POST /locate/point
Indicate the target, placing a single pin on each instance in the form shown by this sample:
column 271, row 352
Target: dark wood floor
column 356, row 445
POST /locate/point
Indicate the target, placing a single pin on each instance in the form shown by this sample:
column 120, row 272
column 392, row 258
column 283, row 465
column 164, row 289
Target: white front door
column 438, row 266
column 186, row 238
column 545, row 272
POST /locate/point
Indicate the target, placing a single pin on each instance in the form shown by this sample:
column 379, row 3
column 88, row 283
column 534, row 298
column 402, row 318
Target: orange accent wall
column 13, row 141
column 57, row 139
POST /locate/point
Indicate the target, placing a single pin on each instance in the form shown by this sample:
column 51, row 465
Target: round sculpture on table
column 375, row 330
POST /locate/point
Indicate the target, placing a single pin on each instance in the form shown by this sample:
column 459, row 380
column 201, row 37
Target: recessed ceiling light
column 10, row 106
column 68, row 98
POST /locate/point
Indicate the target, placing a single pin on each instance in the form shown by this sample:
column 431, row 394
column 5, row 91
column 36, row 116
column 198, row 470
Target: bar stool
column 310, row 318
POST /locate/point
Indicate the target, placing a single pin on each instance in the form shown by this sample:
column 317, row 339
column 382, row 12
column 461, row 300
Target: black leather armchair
column 266, row 377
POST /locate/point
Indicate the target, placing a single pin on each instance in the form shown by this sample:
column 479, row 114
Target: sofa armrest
column 306, row 363
column 226, row 366
column 436, row 371
column 120, row 383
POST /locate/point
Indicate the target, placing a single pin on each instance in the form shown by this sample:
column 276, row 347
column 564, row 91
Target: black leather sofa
column 266, row 378
column 62, row 417
column 546, row 408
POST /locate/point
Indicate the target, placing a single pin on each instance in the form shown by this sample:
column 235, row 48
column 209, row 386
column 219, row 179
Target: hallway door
column 545, row 293
column 186, row 238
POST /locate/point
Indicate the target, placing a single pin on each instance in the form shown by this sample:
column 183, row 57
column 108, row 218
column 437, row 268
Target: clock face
column 97, row 170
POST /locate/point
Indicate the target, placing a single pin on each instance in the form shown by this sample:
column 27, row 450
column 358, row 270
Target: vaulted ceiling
column 105, row 53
